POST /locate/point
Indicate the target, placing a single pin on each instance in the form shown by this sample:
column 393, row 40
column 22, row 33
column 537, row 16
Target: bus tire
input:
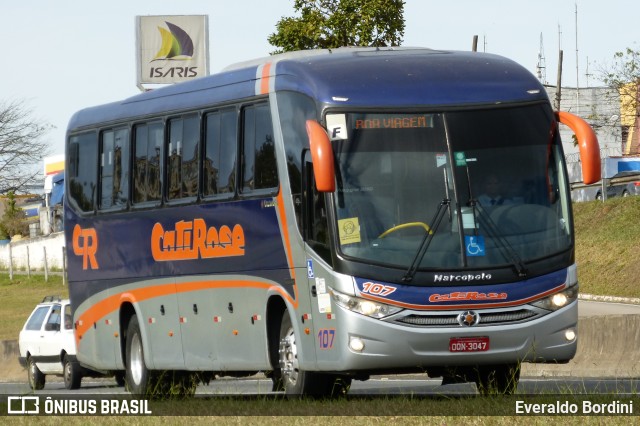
column 137, row 375
column 295, row 381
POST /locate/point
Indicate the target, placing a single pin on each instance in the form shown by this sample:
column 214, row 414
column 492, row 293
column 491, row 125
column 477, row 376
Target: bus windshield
column 457, row 190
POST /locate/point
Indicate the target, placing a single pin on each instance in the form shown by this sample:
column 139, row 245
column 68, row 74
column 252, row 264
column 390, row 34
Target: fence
column 44, row 254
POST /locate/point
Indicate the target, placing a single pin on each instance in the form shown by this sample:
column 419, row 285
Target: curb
column 611, row 299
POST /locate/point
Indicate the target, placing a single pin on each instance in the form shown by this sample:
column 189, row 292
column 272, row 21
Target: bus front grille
column 451, row 319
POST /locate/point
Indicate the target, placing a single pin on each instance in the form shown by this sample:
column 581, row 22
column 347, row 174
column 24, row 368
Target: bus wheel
column 295, row 381
column 498, row 380
column 137, row 376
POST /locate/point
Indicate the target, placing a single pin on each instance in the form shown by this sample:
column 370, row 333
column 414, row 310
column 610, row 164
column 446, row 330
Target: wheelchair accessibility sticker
column 474, row 245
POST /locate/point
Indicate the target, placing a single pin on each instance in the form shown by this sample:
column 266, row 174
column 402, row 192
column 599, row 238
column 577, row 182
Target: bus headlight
column 558, row 300
column 363, row 306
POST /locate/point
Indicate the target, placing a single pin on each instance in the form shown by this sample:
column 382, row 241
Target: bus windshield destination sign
column 380, row 121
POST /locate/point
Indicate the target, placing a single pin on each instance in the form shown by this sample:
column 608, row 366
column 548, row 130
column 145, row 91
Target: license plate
column 468, row 344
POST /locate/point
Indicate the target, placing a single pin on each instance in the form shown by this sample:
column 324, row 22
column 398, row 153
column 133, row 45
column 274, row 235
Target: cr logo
column 85, row 244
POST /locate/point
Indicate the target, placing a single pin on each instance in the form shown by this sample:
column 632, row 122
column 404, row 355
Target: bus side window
column 316, row 213
column 220, row 153
column 83, row 179
column 114, row 169
column 259, row 168
column 147, row 164
column 182, row 152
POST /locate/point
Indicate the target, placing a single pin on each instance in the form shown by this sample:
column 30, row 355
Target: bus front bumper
column 367, row 344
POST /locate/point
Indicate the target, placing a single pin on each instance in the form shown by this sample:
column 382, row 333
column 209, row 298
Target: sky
column 64, row 55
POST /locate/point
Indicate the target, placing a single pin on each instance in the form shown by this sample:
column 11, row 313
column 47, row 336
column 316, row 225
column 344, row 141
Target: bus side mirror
column 588, row 144
column 322, row 157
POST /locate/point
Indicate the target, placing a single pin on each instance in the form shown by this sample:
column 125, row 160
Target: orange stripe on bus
column 112, row 303
column 264, row 84
column 287, row 243
column 285, row 233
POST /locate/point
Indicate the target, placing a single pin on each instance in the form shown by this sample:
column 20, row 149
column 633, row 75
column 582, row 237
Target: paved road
column 378, row 385
column 587, row 308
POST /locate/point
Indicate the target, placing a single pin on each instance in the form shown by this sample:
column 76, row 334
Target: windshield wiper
column 443, row 207
column 507, row 251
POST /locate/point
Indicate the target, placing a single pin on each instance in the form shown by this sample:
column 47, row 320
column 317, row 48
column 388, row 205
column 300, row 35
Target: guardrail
column 607, row 182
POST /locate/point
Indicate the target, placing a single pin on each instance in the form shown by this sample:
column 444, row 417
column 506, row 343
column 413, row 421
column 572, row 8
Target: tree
column 624, row 76
column 13, row 218
column 21, row 146
column 624, row 70
column 327, row 24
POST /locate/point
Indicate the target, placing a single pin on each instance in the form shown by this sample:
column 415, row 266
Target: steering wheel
column 404, row 226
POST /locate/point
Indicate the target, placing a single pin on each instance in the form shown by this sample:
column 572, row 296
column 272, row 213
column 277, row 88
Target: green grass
column 20, row 296
column 315, row 420
column 608, row 246
column 607, row 253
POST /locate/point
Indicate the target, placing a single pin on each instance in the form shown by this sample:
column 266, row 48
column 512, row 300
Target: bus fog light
column 570, row 335
column 356, row 344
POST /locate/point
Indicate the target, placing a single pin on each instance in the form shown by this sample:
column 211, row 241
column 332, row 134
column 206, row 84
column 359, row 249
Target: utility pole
column 542, row 65
column 559, row 81
column 577, row 67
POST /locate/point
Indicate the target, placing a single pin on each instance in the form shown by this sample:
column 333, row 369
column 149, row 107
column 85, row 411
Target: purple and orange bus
column 321, row 216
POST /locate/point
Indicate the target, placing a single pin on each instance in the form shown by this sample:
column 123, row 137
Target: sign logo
column 176, row 43
column 64, row 405
column 460, row 158
column 85, row 244
column 193, row 239
column 23, row 405
column 171, row 48
column 464, row 296
column 349, row 230
column 468, row 318
column 310, row 268
column 475, row 245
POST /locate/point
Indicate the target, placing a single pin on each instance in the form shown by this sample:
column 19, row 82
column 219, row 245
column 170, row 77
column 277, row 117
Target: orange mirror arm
column 588, row 145
column 322, row 157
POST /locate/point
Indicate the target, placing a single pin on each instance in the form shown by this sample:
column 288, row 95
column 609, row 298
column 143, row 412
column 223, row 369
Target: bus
column 318, row 216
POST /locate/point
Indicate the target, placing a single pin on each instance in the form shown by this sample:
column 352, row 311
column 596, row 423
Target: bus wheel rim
column 289, row 357
column 136, row 361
